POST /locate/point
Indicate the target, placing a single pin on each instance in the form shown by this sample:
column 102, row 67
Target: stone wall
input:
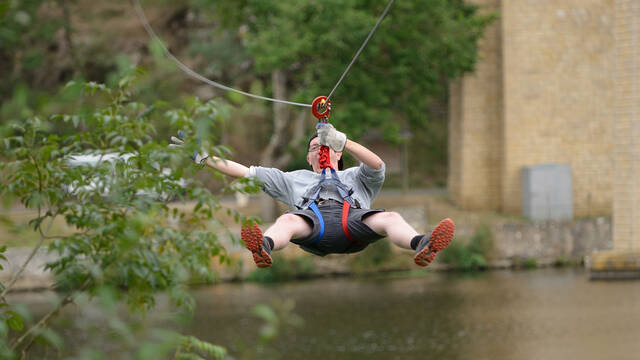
column 475, row 132
column 513, row 243
column 34, row 276
column 627, row 126
column 549, row 241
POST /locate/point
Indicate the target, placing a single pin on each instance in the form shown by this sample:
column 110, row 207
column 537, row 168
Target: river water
column 538, row 314
column 541, row 314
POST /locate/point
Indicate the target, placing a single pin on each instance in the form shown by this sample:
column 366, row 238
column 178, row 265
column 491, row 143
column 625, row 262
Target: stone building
column 544, row 92
column 626, row 151
column 559, row 82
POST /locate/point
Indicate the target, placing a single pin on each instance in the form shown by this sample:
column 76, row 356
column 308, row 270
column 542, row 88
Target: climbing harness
column 195, row 75
column 321, row 109
column 347, row 202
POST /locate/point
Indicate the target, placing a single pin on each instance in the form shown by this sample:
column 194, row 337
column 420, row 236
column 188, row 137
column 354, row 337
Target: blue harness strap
column 344, row 192
column 315, row 209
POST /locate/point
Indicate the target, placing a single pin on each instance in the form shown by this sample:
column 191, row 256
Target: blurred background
column 517, row 119
column 295, row 50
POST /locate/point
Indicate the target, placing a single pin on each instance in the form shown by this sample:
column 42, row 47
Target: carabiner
column 321, row 101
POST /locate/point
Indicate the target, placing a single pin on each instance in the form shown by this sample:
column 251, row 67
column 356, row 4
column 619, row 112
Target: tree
column 301, row 47
column 416, row 50
column 125, row 235
column 36, row 34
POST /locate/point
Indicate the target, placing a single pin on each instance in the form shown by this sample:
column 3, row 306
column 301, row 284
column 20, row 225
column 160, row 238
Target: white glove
column 329, row 136
column 198, row 158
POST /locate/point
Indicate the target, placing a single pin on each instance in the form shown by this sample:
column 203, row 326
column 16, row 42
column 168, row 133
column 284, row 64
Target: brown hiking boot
column 429, row 246
column 253, row 240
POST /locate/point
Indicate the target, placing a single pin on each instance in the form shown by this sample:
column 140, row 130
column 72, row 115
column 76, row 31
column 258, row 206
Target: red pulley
column 317, row 104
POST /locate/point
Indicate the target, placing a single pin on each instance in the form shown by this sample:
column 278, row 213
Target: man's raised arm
column 329, row 136
column 202, row 157
column 363, row 154
column 227, row 167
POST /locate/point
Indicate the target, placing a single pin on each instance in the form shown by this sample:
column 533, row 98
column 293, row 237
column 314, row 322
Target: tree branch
column 280, row 117
column 16, row 275
column 43, row 321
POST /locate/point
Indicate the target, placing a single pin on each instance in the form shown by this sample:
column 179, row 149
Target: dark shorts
column 334, row 241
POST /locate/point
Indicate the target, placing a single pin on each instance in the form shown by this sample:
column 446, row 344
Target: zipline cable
column 195, row 75
column 375, row 27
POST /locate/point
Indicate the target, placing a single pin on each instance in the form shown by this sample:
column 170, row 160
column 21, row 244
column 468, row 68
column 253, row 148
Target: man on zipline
column 322, row 222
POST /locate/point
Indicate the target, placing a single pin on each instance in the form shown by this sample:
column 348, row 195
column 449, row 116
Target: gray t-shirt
column 292, row 187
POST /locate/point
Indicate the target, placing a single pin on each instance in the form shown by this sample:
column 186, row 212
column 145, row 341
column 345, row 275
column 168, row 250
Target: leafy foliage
column 276, row 317
column 373, row 257
column 284, row 269
column 191, row 347
column 126, row 234
column 404, row 68
column 398, row 84
column 471, row 256
column 23, row 22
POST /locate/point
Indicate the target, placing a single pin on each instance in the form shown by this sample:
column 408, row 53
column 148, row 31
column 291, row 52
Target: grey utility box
column 547, row 192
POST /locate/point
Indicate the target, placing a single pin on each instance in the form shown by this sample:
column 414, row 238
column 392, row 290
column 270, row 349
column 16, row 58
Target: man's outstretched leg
column 286, row 227
column 392, row 225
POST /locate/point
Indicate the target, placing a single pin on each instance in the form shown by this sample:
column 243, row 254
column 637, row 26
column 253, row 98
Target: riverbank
column 512, row 242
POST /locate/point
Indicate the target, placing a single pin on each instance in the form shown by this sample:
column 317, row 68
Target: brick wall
column 544, row 92
column 475, row 132
column 626, row 218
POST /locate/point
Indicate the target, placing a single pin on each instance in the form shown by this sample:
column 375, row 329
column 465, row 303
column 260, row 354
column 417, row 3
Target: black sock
column 270, row 244
column 414, row 242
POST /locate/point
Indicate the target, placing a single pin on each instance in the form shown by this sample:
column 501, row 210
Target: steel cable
column 366, row 41
column 195, row 75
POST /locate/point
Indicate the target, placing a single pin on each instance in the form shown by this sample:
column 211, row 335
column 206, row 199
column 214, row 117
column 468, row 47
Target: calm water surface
column 542, row 314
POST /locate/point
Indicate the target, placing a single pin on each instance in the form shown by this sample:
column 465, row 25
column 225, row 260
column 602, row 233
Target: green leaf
column 265, row 312
column 15, row 321
column 4, row 329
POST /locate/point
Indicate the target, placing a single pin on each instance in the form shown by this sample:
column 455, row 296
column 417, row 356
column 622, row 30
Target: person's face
column 314, row 152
